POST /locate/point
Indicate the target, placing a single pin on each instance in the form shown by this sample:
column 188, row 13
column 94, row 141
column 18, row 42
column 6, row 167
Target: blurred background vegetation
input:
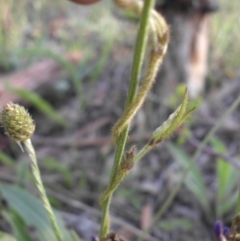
column 224, row 37
column 81, row 57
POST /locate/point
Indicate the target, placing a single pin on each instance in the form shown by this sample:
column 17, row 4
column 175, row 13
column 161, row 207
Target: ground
column 86, row 94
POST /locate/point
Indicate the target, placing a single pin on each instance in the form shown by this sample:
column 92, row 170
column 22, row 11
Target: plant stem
column 38, row 181
column 142, row 153
column 194, row 159
column 133, row 85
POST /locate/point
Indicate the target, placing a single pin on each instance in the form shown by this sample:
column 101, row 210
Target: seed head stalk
column 19, row 126
column 37, row 176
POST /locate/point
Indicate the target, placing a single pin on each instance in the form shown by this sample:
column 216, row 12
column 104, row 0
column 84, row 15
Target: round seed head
column 17, row 122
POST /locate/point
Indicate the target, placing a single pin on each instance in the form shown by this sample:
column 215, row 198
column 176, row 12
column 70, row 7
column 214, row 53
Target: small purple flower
column 226, row 232
column 218, row 228
column 95, row 238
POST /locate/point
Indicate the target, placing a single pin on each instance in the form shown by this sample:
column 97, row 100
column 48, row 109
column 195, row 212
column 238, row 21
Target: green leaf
column 227, row 204
column 18, row 225
column 176, row 223
column 175, row 120
column 54, row 165
column 66, row 64
column 82, row 180
column 194, row 182
column 33, row 213
column 6, row 237
column 75, row 237
column 22, row 171
column 130, row 195
column 6, row 160
column 39, row 103
column 227, row 177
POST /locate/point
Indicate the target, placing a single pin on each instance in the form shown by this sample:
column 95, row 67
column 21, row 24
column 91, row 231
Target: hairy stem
column 131, row 110
column 38, row 181
column 134, row 81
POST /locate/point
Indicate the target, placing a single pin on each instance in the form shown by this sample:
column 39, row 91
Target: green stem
column 142, row 153
column 38, row 181
column 173, row 194
column 134, row 81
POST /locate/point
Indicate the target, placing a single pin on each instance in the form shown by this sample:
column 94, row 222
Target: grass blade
column 194, row 182
column 176, row 223
column 18, row 225
column 6, row 160
column 39, row 103
column 32, row 212
column 227, row 178
column 6, row 237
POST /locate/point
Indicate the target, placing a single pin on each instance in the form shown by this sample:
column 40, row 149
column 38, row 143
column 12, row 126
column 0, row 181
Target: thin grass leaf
column 176, row 223
column 6, row 237
column 194, row 182
column 132, row 196
column 103, row 58
column 33, row 213
column 18, row 226
column 67, row 65
column 227, row 178
column 226, row 172
column 82, row 180
column 52, row 164
column 6, row 160
column 75, row 237
column 228, row 204
column 39, row 103
column 22, row 171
